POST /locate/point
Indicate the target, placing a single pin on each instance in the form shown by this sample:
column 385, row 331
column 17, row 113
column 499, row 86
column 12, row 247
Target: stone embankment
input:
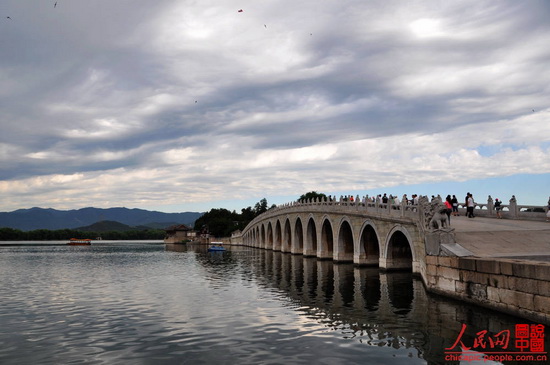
column 513, row 286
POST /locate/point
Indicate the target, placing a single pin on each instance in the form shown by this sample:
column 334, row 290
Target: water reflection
column 371, row 306
column 150, row 304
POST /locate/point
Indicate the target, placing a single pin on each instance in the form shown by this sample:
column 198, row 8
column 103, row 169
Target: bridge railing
column 513, row 210
column 408, row 210
column 347, row 206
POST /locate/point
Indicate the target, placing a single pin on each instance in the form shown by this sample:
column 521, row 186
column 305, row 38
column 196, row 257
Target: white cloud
column 193, row 101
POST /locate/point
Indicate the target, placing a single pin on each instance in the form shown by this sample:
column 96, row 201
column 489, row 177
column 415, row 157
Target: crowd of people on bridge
column 451, row 203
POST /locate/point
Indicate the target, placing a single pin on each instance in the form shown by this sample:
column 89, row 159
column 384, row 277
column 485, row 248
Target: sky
column 191, row 105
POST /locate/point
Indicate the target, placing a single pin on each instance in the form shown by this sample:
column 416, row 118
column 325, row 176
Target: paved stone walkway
column 503, row 238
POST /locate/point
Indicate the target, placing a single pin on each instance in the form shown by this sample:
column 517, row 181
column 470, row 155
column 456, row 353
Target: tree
column 260, row 207
column 312, row 195
column 221, row 222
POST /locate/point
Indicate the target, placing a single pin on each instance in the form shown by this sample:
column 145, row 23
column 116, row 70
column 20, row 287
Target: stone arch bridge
column 393, row 237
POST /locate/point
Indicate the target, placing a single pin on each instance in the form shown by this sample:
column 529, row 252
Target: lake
column 150, row 303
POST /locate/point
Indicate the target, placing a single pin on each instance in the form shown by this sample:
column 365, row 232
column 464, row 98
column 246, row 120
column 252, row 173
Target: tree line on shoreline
column 11, row 234
column 221, row 222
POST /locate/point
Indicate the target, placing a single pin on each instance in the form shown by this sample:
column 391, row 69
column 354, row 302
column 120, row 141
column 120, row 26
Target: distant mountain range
column 106, row 226
column 40, row 218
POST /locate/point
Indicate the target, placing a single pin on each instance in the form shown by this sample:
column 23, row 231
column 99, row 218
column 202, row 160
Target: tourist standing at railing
column 454, row 203
column 470, row 206
column 449, row 206
column 498, row 208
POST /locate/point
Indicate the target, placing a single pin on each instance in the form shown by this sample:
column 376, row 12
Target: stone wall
column 510, row 286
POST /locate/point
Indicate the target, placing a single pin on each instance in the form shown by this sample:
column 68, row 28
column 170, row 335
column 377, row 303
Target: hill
column 40, row 218
column 106, row 226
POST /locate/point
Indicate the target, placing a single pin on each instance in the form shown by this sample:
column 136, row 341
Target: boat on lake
column 79, row 242
column 216, row 246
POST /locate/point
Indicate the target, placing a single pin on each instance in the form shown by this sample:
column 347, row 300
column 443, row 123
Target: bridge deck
column 499, row 238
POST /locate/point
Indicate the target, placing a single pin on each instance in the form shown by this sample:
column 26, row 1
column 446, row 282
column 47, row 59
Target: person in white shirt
column 470, row 206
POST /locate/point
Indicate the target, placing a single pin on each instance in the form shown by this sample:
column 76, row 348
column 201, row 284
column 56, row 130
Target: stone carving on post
column 403, row 204
column 435, row 224
column 513, row 207
column 432, row 215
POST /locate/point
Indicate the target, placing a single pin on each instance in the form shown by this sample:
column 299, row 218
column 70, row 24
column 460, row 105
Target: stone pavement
column 502, row 238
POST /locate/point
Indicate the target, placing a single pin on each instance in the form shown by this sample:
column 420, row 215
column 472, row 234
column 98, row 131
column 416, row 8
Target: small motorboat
column 79, row 242
column 216, row 246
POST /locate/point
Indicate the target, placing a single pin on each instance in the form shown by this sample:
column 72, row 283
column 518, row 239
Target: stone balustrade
column 509, row 211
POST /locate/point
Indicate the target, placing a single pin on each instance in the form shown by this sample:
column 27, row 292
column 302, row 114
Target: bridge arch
column 326, row 249
column 277, row 236
column 368, row 250
column 345, row 246
column 269, row 237
column 262, row 236
column 311, row 237
column 298, row 241
column 287, row 237
column 399, row 253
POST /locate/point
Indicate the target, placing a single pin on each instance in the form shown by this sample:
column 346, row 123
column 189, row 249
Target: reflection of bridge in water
column 376, row 308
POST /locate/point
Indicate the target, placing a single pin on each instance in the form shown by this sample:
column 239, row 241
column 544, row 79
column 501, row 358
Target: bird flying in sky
column 240, row 11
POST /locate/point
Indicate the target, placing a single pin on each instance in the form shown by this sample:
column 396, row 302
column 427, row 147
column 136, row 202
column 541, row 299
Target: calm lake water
column 147, row 303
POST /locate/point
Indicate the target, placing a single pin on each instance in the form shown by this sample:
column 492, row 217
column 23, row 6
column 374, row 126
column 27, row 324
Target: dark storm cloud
column 136, row 96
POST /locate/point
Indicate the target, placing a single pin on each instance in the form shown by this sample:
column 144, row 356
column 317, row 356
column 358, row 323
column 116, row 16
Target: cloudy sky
column 180, row 105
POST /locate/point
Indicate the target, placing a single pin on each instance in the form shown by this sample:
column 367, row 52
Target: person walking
column 454, row 203
column 449, row 207
column 548, row 210
column 498, row 208
column 470, row 206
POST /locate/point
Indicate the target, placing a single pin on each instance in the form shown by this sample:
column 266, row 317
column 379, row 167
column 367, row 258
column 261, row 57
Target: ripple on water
column 132, row 304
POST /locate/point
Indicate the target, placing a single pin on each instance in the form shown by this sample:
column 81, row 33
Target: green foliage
column 221, row 222
column 260, row 207
column 312, row 195
column 10, row 234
